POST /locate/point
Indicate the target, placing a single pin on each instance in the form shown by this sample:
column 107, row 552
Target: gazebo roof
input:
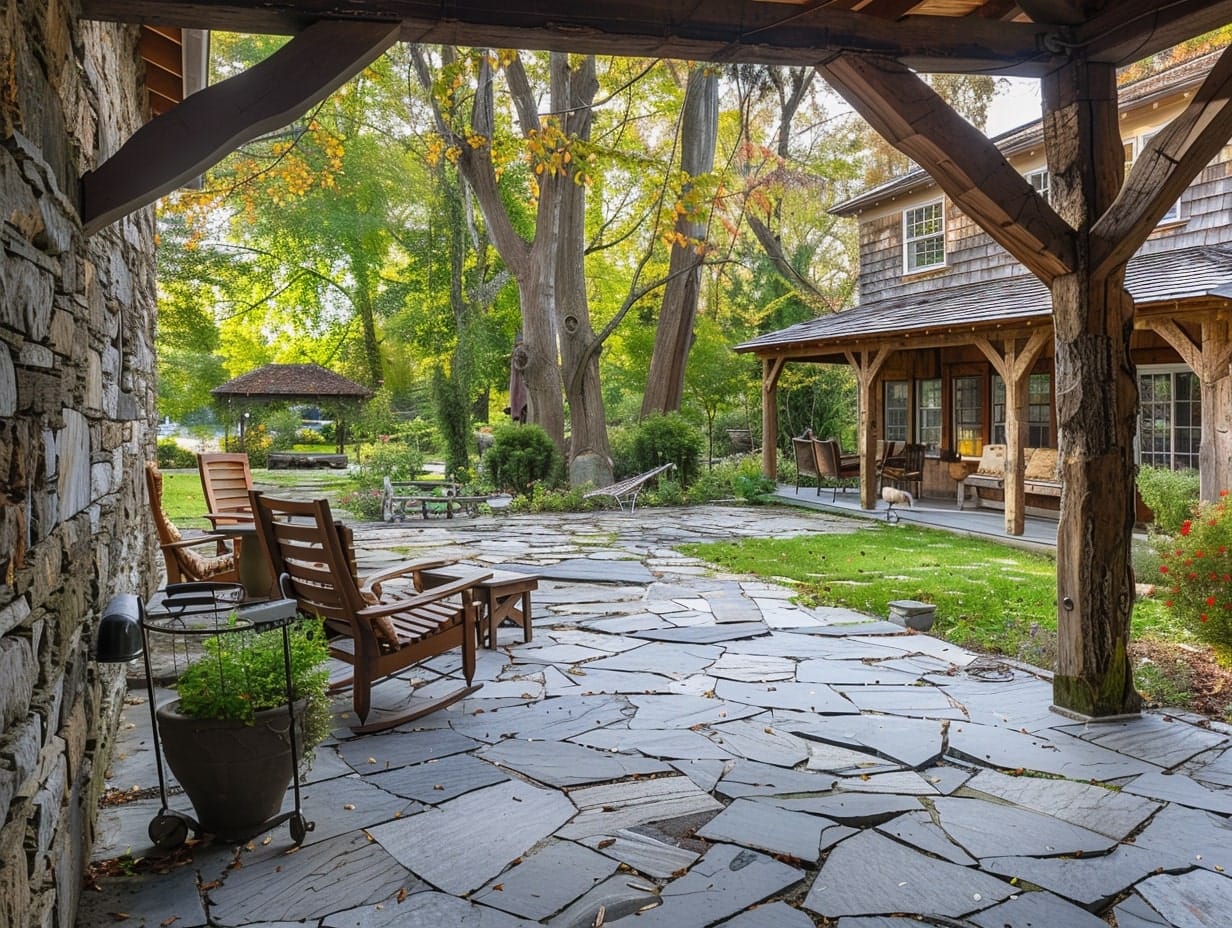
column 283, row 382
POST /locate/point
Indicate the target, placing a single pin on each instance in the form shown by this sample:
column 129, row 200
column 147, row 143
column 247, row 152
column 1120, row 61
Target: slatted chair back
column 831, row 466
column 184, row 563
column 226, row 480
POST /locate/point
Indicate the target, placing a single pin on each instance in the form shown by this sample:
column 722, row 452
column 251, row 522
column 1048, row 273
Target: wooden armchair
column 806, row 460
column 378, row 632
column 184, row 564
column 226, row 480
column 833, row 467
column 909, row 475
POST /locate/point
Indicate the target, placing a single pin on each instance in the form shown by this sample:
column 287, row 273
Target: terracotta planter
column 236, row 775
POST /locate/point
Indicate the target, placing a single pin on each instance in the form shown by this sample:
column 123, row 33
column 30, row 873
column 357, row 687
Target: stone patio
column 679, row 747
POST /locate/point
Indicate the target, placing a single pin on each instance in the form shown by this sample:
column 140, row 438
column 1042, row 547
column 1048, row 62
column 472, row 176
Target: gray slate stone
column 1091, row 882
column 844, row 761
column 1162, row 740
column 920, row 831
column 1116, row 814
column 1036, row 910
column 705, row 773
column 681, row 711
column 146, row 899
column 774, row 915
column 642, row 852
column 346, row 804
column 1191, row 836
column 398, row 749
column 426, row 910
column 767, row 828
column 705, row 634
column 751, row 778
column 616, row 897
column 435, row 782
column 806, row 697
column 1135, row 913
column 551, row 720
column 870, row 874
column 981, row 828
column 1059, row 753
column 851, row 673
column 913, row 743
column 851, row 808
column 674, row 744
column 927, row 702
column 1197, row 899
column 583, row 570
column 673, row 659
column 562, row 764
column 605, row 810
column 590, row 680
column 756, row 741
column 751, row 668
column 546, row 880
column 1181, row 789
column 463, row 843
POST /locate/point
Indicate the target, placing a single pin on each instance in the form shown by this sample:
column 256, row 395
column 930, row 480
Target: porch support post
column 1014, row 362
column 1210, row 362
column 771, row 368
column 867, row 366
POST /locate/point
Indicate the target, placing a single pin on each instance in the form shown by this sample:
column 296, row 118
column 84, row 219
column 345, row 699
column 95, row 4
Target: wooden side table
column 504, row 596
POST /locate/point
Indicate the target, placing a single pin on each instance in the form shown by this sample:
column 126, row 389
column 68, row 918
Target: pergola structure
column 867, row 50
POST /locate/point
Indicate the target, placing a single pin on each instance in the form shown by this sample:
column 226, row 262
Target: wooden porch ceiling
column 175, row 64
column 1023, row 37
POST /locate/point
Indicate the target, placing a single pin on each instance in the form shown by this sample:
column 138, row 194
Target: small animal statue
column 895, row 497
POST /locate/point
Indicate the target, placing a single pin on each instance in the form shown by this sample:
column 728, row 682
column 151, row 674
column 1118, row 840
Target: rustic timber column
column 867, row 365
column 1097, row 404
column 771, row 368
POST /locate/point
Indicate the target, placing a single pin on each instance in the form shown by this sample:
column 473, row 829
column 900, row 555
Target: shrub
column 365, row 504
column 522, row 456
column 669, row 438
column 1171, row 494
column 1196, row 571
column 257, row 444
column 544, row 499
column 388, row 459
column 171, row 455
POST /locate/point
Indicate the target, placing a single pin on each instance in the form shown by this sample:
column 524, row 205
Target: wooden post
column 867, row 365
column 771, row 368
column 1097, row 404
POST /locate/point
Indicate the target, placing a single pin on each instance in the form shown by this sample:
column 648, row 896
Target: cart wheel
column 299, row 828
column 168, row 831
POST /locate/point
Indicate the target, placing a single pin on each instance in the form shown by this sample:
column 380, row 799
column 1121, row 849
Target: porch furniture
column 184, row 564
column 629, row 488
column 251, row 564
column 806, row 460
column 959, row 471
column 909, row 474
column 889, row 454
column 503, row 596
column 427, row 496
column 378, row 631
column 1040, row 475
column 226, row 480
column 831, row 466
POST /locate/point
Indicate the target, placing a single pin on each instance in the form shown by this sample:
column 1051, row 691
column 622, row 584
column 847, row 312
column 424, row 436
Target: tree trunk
column 699, row 126
column 1097, row 404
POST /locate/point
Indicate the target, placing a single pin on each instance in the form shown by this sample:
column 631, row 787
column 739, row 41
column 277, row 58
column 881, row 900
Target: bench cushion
column 992, row 461
column 1042, row 465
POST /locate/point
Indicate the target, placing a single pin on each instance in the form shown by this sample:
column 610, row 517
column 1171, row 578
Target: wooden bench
column 627, row 489
column 1039, row 473
column 282, row 460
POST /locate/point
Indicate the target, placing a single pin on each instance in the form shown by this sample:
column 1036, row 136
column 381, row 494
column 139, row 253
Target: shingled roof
column 284, row 382
column 1161, row 278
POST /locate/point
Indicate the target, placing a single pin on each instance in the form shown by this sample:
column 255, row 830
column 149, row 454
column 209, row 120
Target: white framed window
column 924, row 237
column 1133, row 148
column 928, row 414
column 897, row 394
column 1169, row 416
column 1039, row 180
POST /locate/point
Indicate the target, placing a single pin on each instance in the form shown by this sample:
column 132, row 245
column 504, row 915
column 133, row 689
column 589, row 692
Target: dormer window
column 924, row 237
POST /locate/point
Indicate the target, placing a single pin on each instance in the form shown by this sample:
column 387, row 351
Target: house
column 952, row 338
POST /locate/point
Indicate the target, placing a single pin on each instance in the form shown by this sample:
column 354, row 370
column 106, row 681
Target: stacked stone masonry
column 76, row 403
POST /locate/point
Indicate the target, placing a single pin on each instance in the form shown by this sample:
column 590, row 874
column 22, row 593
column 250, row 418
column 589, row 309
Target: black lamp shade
column 119, row 630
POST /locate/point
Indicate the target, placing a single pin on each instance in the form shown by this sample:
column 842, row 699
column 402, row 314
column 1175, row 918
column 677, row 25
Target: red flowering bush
column 1196, row 571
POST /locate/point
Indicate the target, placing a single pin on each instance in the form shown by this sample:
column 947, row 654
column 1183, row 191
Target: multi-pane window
column 924, row 237
column 1039, row 180
column 1133, row 148
column 1039, row 411
column 969, row 415
column 1169, row 418
column 928, row 414
column 897, row 394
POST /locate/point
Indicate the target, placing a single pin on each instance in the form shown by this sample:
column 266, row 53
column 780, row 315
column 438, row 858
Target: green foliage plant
column 171, row 455
column 454, row 418
column 1196, row 572
column 243, row 672
column 1171, row 495
column 521, row 457
column 668, row 439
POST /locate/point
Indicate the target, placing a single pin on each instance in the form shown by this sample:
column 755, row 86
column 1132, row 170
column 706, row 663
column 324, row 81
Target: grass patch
column 184, row 501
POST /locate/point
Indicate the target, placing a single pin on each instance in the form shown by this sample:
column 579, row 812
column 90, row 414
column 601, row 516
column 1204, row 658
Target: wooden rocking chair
column 184, row 564
column 377, row 632
column 226, row 480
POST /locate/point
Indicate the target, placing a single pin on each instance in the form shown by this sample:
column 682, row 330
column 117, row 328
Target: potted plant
column 227, row 737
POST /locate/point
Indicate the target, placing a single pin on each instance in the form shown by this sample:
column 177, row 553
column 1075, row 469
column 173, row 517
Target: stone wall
column 76, row 403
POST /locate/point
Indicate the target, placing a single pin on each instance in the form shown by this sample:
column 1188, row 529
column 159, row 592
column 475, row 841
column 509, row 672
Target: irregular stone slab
column 675, row 660
column 774, row 915
column 920, row 831
column 1036, row 910
column 843, row 761
column 146, row 899
column 621, row 625
column 767, row 828
column 705, row 634
column 1214, row 768
column 463, row 843
column 1181, row 789
column 912, row 743
column 678, row 711
column 675, row 744
column 546, row 880
column 728, row 608
column 751, row 668
column 778, row 614
column 1135, row 913
column 426, row 910
column 727, row 880
column 851, row 808
column 347, row 804
column 1059, row 754
column 1162, row 740
column 551, row 720
column 981, row 828
column 604, row 810
column 435, row 782
column 124, row 828
column 1020, row 702
column 644, row 853
column 341, row 873
column 1091, row 882
column 912, row 701
column 844, row 629
column 803, row 697
column 870, row 874
column 757, row 741
column 582, row 570
column 612, row 644
column 902, row 782
column 749, row 778
column 878, row 921
column 521, row 688
column 851, row 673
column 1197, row 899
column 948, row 778
column 556, row 654
column 562, row 764
column 398, row 749
column 1196, row 837
column 1114, row 813
column 616, row 897
column 936, row 648
column 592, row 681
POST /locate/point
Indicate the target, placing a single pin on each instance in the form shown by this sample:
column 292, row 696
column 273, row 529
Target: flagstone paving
column 679, row 747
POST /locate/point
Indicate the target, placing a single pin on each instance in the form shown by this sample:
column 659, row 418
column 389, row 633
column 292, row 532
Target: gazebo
column 294, row 383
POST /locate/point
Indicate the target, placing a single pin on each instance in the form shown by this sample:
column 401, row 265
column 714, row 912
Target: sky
column 1018, row 104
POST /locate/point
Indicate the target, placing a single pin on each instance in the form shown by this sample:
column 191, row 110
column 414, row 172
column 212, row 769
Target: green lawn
column 184, row 502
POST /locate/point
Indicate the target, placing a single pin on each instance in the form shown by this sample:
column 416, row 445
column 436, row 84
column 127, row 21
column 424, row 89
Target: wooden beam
column 964, row 163
column 717, row 30
column 175, row 147
column 890, row 9
column 1054, row 12
column 1130, row 30
column 1166, row 167
column 771, row 370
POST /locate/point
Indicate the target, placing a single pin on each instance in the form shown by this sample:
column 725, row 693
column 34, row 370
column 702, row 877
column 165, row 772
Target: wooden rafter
column 965, row 164
column 1166, row 167
column 1130, row 30
column 179, row 145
